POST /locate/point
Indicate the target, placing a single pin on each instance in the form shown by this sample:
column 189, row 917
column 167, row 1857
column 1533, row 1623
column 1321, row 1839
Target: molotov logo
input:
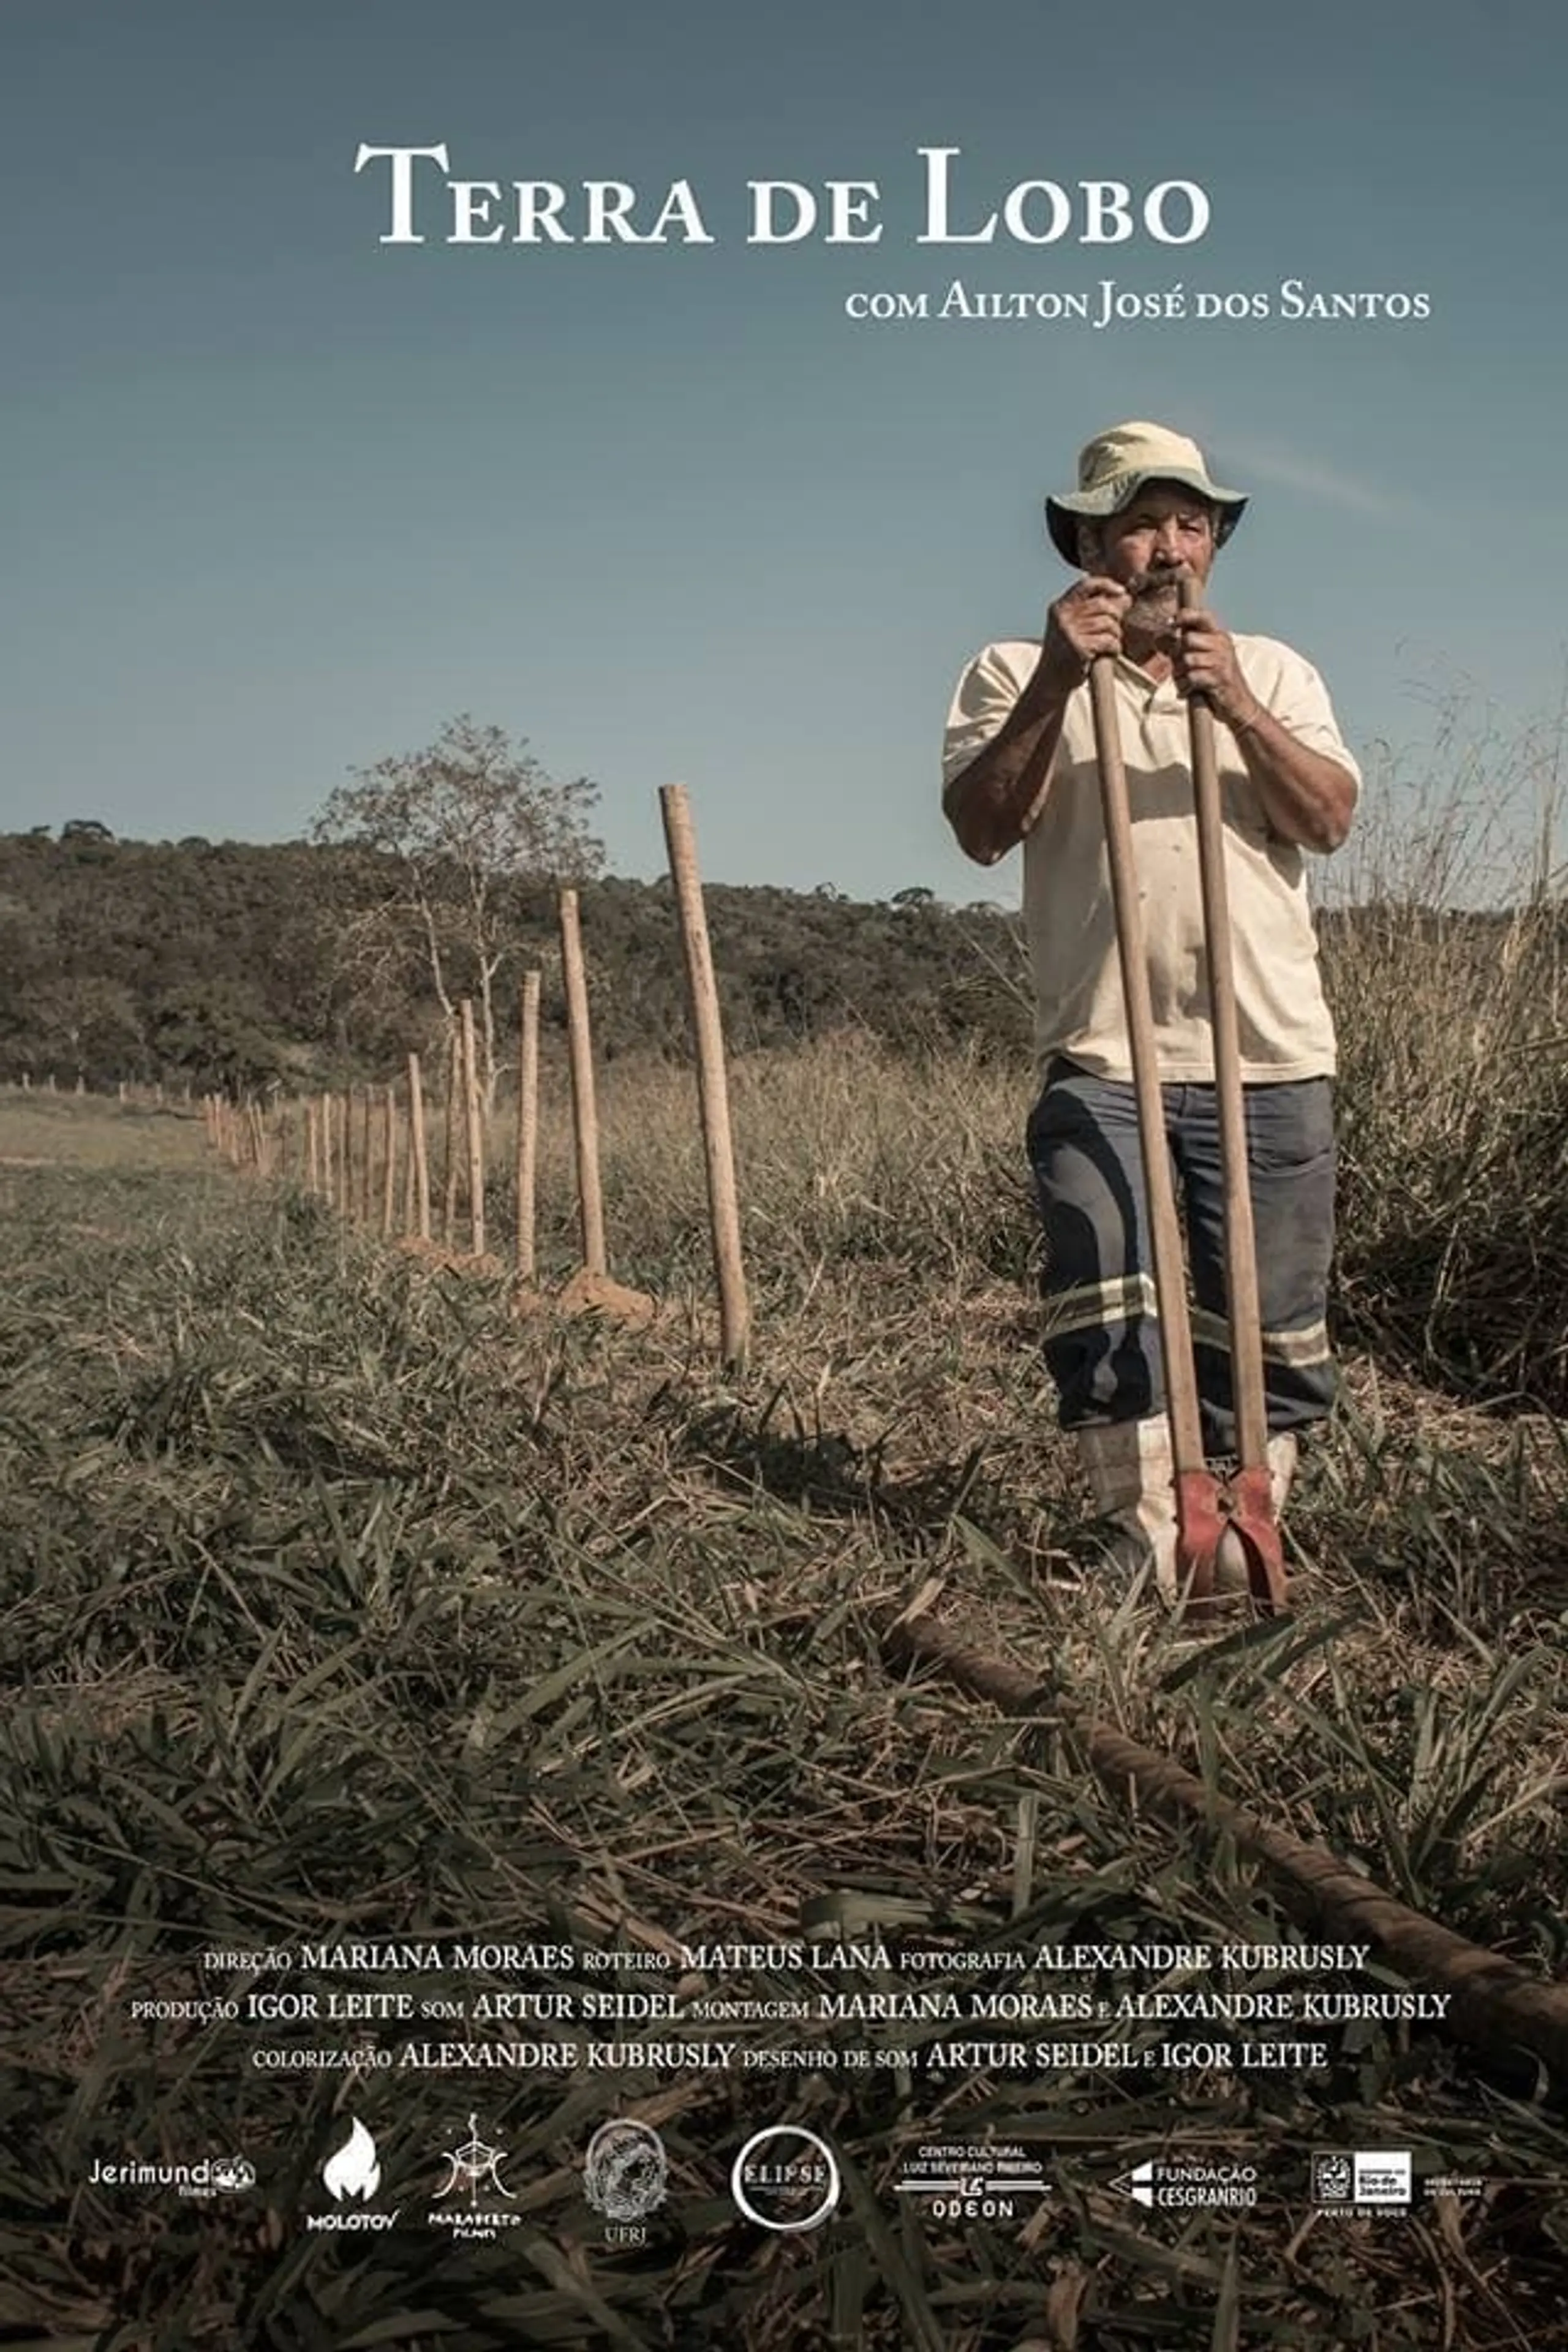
column 355, row 2169
column 352, row 2172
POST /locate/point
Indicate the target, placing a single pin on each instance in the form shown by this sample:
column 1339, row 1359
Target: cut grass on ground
column 340, row 1602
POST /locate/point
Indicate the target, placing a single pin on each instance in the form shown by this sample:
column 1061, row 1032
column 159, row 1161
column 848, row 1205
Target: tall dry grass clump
column 1445, row 954
column 847, row 1150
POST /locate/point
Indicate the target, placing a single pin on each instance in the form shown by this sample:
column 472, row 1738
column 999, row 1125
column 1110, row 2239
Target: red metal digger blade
column 1252, row 1517
column 1199, row 1527
column 1206, row 1508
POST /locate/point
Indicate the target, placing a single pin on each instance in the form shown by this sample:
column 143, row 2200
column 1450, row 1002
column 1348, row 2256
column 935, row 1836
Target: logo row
column 786, row 2178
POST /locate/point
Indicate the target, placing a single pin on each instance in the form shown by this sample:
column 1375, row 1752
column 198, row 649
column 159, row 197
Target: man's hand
column 1079, row 627
column 1202, row 661
column 1308, row 798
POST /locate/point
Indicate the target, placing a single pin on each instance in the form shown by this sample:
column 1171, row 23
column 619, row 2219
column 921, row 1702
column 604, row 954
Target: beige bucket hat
column 1113, row 467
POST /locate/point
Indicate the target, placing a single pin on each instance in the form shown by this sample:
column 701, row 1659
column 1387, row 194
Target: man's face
column 1164, row 531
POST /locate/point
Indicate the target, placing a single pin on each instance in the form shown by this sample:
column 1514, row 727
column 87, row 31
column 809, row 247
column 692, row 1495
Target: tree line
column 430, row 878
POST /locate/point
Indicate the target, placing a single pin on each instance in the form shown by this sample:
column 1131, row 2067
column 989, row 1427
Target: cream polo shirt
column 1285, row 1028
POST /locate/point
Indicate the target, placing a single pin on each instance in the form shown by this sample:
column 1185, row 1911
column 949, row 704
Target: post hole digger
column 1228, row 1550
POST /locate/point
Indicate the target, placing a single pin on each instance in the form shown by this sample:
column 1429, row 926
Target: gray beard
column 1154, row 607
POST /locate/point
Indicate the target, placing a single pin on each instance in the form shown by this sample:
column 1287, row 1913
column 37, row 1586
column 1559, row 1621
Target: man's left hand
column 1202, row 661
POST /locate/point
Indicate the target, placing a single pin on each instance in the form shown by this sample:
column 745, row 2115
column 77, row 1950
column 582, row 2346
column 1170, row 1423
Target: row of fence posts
column 128, row 1091
column 323, row 1160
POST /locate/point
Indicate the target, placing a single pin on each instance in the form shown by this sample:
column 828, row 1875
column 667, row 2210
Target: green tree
column 87, row 1026
column 446, row 835
column 215, row 1030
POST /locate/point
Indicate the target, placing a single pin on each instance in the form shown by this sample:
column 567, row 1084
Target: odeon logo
column 351, row 2176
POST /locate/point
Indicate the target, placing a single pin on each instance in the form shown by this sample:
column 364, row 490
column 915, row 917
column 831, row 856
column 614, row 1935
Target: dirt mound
column 586, row 1294
column 595, row 1294
column 450, row 1261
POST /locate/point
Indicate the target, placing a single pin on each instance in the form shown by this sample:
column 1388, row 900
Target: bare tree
column 445, row 833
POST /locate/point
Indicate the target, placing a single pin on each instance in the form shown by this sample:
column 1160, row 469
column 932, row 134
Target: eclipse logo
column 785, row 2179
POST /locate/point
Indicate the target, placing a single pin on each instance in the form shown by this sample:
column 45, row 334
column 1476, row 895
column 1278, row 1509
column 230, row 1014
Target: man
column 1019, row 764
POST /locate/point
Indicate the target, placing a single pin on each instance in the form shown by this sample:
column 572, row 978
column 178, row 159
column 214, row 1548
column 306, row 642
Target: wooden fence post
column 416, row 1136
column 475, row 1129
column 584, row 1110
column 713, row 1086
column 328, row 1186
column 450, row 1203
column 527, row 1119
column 367, row 1155
column 389, row 1174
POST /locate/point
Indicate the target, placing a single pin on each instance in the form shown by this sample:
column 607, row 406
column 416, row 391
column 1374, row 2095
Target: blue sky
column 281, row 499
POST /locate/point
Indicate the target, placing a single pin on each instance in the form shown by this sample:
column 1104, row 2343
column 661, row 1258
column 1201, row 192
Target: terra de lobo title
column 424, row 203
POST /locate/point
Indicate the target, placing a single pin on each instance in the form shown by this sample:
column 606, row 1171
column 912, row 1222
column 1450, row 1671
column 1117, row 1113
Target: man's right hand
column 1079, row 627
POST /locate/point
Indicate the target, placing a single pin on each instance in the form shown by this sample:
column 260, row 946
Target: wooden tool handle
column 1164, row 1232
column 1240, row 1244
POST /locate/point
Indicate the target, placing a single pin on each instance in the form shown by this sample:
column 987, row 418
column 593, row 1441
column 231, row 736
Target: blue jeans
column 1103, row 1336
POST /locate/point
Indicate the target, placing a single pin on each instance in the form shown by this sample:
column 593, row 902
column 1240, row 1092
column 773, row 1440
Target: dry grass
column 339, row 1600
column 1454, row 1081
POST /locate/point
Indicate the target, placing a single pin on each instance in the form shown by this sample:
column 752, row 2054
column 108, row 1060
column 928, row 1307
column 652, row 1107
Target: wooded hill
column 224, row 963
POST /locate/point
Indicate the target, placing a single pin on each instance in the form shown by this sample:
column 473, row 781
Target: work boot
column 1230, row 1576
column 1282, row 1450
column 1132, row 1473
column 1132, row 1477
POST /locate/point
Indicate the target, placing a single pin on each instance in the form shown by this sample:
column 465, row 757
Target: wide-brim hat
column 1113, row 467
